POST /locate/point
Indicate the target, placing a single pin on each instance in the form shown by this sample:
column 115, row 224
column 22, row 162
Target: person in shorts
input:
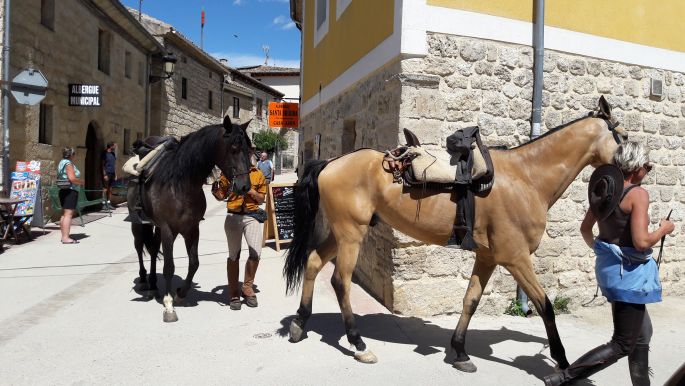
column 68, row 194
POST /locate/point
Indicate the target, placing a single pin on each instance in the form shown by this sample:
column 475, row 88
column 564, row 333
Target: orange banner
column 283, row 114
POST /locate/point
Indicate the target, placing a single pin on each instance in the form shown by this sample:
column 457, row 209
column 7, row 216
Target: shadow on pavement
column 428, row 338
column 195, row 295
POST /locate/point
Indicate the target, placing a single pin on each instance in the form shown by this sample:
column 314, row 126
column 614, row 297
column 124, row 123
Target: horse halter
column 612, row 128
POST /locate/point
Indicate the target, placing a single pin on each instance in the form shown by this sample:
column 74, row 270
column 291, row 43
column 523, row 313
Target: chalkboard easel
column 280, row 213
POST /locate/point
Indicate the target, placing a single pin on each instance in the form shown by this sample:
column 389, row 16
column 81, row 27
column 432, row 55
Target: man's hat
column 605, row 190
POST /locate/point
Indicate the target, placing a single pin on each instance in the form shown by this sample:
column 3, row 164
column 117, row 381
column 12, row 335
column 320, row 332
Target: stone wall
column 69, row 55
column 2, row 60
column 466, row 81
column 184, row 116
column 473, row 81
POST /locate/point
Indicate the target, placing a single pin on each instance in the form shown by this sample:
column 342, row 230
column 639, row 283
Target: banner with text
column 283, row 115
column 88, row 95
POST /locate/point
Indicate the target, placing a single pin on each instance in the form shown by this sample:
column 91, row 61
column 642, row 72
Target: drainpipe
column 539, row 58
column 148, row 102
column 6, row 101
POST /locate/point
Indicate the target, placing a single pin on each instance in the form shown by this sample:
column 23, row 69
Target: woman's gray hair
column 630, row 156
column 68, row 152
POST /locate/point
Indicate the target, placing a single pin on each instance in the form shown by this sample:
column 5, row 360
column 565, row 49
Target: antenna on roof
column 266, row 48
column 140, row 10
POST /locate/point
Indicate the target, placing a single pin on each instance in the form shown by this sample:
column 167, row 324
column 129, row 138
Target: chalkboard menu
column 284, row 208
column 280, row 208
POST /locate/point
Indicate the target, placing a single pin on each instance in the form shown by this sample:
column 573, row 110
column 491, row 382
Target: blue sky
column 256, row 23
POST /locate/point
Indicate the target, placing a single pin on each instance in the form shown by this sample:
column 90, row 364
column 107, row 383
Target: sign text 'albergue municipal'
column 88, row 95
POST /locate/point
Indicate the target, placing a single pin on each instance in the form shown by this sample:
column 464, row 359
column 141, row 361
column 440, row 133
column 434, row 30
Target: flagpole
column 202, row 30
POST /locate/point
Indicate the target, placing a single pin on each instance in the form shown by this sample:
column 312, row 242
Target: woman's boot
column 248, row 292
column 638, row 363
column 590, row 363
column 232, row 271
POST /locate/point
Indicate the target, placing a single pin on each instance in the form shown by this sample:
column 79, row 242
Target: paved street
column 70, row 315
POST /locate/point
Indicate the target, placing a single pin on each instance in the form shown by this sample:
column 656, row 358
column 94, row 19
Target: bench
column 82, row 203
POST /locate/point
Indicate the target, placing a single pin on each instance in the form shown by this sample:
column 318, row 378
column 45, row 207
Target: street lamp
column 169, row 64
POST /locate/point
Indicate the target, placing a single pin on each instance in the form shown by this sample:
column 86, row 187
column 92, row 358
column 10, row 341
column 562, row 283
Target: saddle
column 147, row 153
column 465, row 168
column 141, row 166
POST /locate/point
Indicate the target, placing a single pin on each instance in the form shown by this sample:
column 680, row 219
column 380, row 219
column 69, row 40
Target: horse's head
column 234, row 157
column 610, row 135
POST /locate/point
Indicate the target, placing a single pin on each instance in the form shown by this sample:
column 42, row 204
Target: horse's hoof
column 170, row 317
column 365, row 357
column 296, row 332
column 465, row 366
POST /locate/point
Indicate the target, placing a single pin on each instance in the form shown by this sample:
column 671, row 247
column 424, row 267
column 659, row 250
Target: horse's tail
column 306, row 208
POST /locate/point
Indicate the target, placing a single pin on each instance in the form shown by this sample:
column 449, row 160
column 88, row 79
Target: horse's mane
column 190, row 158
column 552, row 131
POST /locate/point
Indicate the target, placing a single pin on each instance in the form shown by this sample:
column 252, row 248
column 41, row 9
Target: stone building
column 2, row 76
column 287, row 81
column 84, row 42
column 437, row 65
column 203, row 89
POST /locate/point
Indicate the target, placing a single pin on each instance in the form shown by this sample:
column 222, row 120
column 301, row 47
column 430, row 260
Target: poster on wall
column 26, row 186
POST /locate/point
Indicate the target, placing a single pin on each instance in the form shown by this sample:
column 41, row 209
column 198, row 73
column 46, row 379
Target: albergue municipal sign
column 89, row 95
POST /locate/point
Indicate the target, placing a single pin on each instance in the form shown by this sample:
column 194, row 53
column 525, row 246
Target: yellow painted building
column 373, row 67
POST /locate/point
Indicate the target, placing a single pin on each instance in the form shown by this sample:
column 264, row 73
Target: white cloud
column 283, row 22
column 237, row 2
column 236, row 59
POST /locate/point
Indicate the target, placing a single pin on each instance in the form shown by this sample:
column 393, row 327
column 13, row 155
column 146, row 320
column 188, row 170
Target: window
column 104, row 39
column 236, row 107
column 349, row 135
column 259, row 107
column 210, row 75
column 211, row 100
column 184, row 88
column 340, row 7
column 321, row 11
column 127, row 64
column 139, row 136
column 141, row 73
column 47, row 13
column 127, row 141
column 45, row 124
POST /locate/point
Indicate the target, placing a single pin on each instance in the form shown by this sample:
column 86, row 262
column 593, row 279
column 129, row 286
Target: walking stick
column 661, row 247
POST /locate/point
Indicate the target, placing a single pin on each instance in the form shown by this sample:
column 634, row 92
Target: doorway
column 93, row 167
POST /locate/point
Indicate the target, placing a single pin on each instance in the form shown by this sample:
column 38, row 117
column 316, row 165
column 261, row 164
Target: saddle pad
column 435, row 166
column 130, row 166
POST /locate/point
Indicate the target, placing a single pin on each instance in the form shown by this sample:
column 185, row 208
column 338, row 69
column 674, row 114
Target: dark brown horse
column 175, row 202
column 337, row 199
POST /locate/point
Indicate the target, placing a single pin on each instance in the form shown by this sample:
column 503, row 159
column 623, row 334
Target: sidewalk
column 70, row 316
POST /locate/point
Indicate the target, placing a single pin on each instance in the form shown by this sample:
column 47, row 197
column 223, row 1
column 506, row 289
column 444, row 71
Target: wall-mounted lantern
column 169, row 65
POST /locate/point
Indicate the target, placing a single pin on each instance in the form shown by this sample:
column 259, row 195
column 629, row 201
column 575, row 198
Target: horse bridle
column 233, row 174
column 612, row 128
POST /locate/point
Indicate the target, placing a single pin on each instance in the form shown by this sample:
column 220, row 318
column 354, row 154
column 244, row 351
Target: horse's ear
column 228, row 125
column 411, row 138
column 244, row 125
column 604, row 109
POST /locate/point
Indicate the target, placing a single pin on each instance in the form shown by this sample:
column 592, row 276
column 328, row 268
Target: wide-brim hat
column 604, row 191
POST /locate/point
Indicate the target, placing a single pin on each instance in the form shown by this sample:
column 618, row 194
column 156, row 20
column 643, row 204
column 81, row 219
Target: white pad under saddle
column 435, row 165
column 134, row 166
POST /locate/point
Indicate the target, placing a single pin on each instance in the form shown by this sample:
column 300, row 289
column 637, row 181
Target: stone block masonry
column 467, row 81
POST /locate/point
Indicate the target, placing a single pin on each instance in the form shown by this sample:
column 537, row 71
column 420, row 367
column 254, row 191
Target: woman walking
column 626, row 272
column 69, row 181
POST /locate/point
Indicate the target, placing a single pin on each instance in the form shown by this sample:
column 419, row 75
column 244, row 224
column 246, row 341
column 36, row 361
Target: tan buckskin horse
column 337, row 200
